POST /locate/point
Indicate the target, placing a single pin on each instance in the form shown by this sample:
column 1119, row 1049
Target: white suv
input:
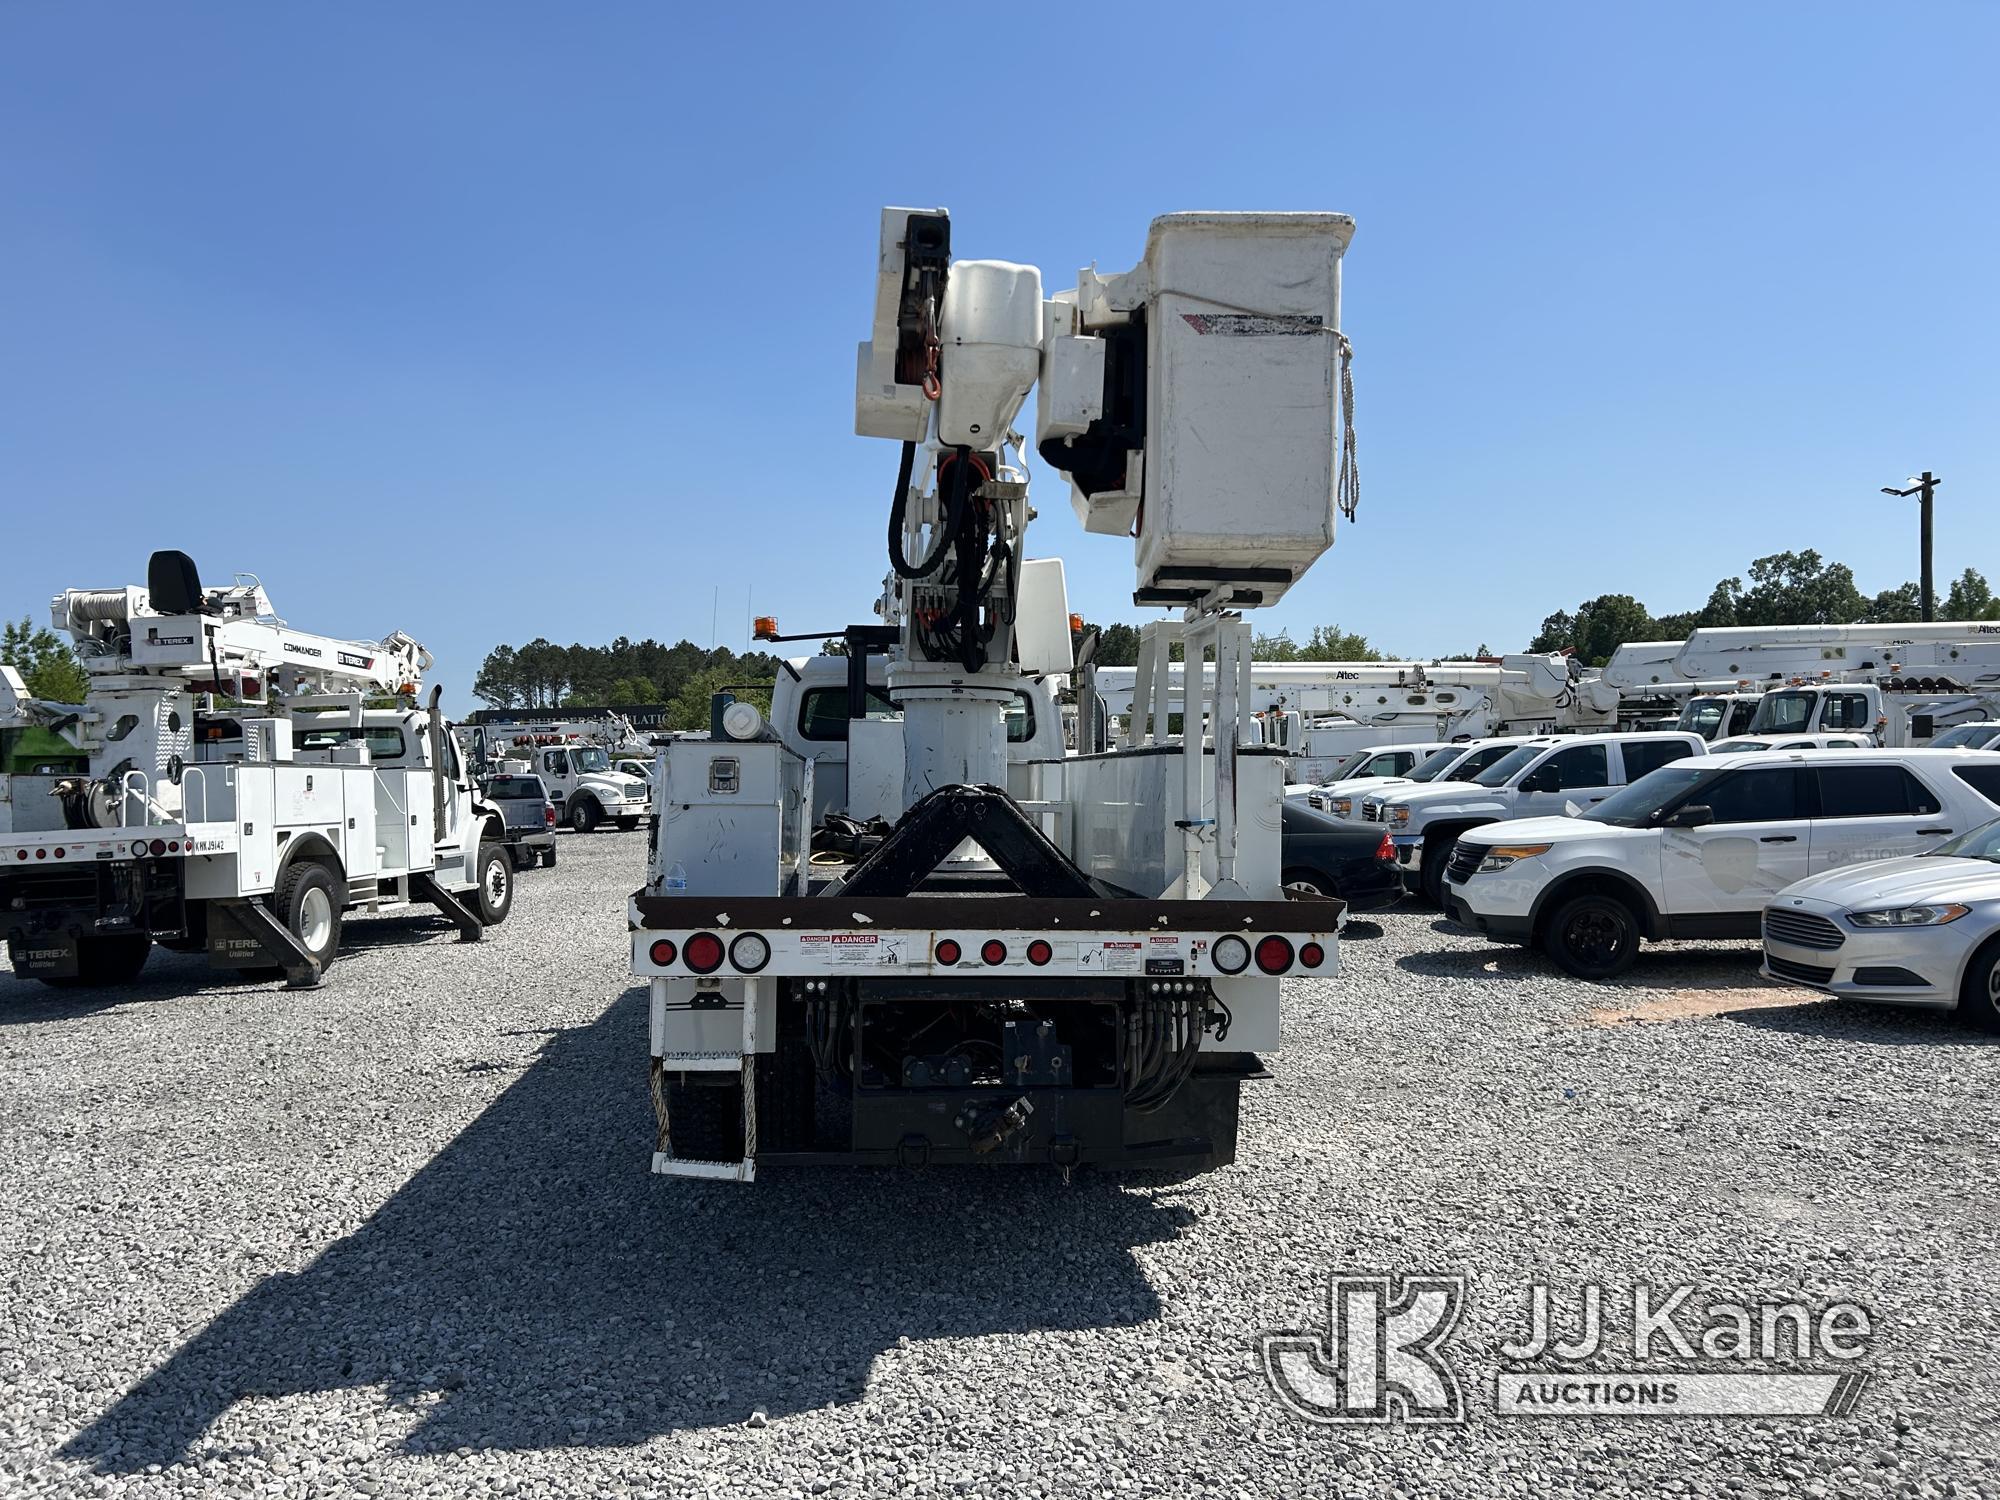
column 1377, row 762
column 1549, row 774
column 1699, row 850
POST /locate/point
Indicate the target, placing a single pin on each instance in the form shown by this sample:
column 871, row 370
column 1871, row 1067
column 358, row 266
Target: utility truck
column 244, row 788
column 1044, row 958
column 573, row 758
column 1320, row 712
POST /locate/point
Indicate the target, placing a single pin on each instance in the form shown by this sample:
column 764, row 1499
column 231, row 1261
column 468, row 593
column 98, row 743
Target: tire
column 582, row 814
column 104, row 962
column 705, row 1116
column 493, row 897
column 308, row 901
column 1431, row 876
column 626, row 825
column 1979, row 992
column 1592, row 936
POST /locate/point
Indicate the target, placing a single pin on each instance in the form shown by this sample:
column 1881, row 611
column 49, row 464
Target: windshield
column 1502, row 770
column 1730, row 747
column 1345, row 767
column 591, row 760
column 1783, row 713
column 1433, row 765
column 1982, row 842
column 1972, row 736
column 1635, row 806
column 1702, row 715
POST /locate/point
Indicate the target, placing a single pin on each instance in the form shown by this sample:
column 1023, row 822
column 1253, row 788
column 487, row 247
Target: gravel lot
column 397, row 1235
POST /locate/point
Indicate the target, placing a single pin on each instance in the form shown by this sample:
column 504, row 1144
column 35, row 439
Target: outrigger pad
column 940, row 822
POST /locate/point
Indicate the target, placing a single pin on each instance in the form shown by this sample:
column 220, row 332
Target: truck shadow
column 1870, row 1025
column 534, row 1286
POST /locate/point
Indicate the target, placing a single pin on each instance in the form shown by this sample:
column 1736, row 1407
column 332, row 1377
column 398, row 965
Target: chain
column 1347, row 491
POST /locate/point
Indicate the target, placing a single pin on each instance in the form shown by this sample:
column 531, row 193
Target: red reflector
column 158, row 846
column 1039, row 952
column 1312, row 955
column 173, row 846
column 947, row 952
column 993, row 951
column 59, row 851
column 1274, row 954
column 704, row 953
column 663, row 952
column 21, row 854
column 1386, row 849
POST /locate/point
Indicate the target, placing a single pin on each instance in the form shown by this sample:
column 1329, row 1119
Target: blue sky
column 493, row 321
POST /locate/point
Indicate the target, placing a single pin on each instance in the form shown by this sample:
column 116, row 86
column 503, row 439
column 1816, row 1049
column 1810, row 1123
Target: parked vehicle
column 1548, row 774
column 1918, row 931
column 523, row 801
column 1324, row 856
column 1791, row 742
column 1983, row 734
column 1447, row 763
column 1699, row 850
column 632, row 766
column 1373, row 763
column 1718, row 716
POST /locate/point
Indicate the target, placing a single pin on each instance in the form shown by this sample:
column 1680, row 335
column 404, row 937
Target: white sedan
column 1918, row 931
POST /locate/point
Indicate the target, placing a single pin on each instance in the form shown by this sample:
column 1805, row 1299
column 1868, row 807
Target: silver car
column 1924, row 930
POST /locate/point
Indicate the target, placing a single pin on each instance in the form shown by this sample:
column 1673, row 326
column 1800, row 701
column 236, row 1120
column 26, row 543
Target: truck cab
column 1718, row 716
column 587, row 791
column 858, row 763
column 1895, row 712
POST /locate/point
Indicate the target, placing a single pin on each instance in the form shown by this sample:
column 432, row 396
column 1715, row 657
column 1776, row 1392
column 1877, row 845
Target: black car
column 1353, row 861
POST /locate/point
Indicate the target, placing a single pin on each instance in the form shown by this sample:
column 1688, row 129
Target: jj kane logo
column 1384, row 1354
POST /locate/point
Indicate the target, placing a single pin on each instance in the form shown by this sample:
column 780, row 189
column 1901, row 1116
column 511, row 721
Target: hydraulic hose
column 942, row 539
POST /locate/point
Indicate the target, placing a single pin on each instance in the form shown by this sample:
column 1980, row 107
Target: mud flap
column 245, row 935
column 46, row 955
column 463, row 917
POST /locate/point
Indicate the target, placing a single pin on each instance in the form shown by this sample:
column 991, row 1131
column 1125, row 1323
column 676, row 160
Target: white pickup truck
column 1699, row 850
column 1461, row 762
column 1546, row 775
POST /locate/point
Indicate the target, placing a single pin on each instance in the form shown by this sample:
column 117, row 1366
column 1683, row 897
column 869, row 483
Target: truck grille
column 1316, row 801
column 1784, row 968
column 1465, row 858
column 1371, row 812
column 1802, row 929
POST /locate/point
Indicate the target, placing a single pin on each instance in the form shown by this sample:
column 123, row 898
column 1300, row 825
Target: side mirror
column 1543, row 780
column 1694, row 815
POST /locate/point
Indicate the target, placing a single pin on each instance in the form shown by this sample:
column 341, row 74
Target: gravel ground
column 396, row 1235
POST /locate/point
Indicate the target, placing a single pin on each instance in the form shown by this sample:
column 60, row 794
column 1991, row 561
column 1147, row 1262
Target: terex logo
column 297, row 650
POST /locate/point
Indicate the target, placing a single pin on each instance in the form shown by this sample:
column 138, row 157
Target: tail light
column 1230, row 955
column 1274, row 954
column 1312, row 955
column 948, row 952
column 1386, row 849
column 1039, row 952
column 993, row 951
column 158, row 846
column 704, row 953
column 663, row 952
column 549, row 816
column 750, row 952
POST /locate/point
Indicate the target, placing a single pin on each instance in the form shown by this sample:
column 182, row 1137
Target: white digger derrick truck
column 1079, row 970
column 243, row 791
column 574, row 759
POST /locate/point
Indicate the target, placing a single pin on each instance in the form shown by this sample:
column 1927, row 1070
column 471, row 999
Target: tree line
column 1786, row 588
column 623, row 674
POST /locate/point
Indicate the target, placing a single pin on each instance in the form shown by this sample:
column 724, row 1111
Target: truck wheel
column 308, row 903
column 1309, row 883
column 1592, row 936
column 1979, row 993
column 626, row 825
column 583, row 813
column 102, row 962
column 705, row 1116
column 494, row 896
column 1436, row 852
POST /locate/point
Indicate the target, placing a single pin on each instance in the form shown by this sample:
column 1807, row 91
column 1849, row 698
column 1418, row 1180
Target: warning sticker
column 1117, row 957
column 856, row 950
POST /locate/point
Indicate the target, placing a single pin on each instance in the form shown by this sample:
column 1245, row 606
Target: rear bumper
column 1373, row 890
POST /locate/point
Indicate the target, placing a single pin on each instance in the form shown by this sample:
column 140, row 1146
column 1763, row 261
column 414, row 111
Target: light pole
column 1923, row 486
